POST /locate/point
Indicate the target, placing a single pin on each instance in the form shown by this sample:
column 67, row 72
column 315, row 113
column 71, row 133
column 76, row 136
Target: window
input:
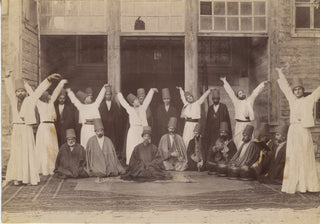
column 306, row 18
column 247, row 16
column 92, row 50
column 317, row 112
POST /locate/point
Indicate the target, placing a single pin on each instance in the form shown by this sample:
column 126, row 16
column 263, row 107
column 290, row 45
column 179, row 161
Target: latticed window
column 306, row 17
column 242, row 16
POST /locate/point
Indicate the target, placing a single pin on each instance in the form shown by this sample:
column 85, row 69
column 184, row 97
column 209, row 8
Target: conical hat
column 70, row 133
column 89, row 91
column 108, row 89
column 172, row 122
column 97, row 124
column 146, row 130
column 165, row 93
column 81, row 95
column 187, row 93
column 141, row 92
column 296, row 82
column 19, row 84
column 262, row 130
column 63, row 92
column 131, row 98
column 248, row 130
column 224, row 127
column 215, row 93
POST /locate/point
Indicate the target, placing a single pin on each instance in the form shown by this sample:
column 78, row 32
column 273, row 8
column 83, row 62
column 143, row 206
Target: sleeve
column 123, row 102
column 157, row 159
column 256, row 92
column 204, row 96
column 163, row 148
column 100, row 96
column 10, row 88
column 44, row 85
column 28, row 88
column 315, row 95
column 230, row 92
column 57, row 91
column 285, row 88
column 254, row 155
column 74, row 99
column 148, row 99
column 185, row 102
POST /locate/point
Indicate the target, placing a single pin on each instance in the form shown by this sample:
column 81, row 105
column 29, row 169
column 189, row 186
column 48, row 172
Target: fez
column 196, row 128
column 81, row 95
column 224, row 127
column 97, row 124
column 172, row 122
column 165, row 93
column 146, row 130
column 141, row 92
column 70, row 133
column 44, row 96
column 131, row 98
column 215, row 93
column 262, row 131
column 248, row 130
column 282, row 129
column 19, row 84
column 89, row 91
column 108, row 89
column 296, row 82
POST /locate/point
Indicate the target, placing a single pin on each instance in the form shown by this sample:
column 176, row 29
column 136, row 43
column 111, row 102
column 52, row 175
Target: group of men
column 86, row 138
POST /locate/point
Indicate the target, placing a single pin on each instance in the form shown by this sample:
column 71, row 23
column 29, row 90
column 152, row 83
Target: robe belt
column 242, row 120
column 18, row 123
column 89, row 121
column 48, row 122
column 188, row 119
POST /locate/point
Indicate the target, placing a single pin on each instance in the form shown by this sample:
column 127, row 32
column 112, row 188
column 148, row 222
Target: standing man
column 65, row 117
column 172, row 148
column 163, row 113
column 111, row 120
column 243, row 105
column 300, row 171
column 23, row 160
column 217, row 113
column 141, row 94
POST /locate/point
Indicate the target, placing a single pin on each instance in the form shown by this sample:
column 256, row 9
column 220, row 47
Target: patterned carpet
column 220, row 193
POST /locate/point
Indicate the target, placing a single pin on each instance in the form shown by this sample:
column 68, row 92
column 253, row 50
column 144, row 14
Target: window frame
column 239, row 16
column 303, row 32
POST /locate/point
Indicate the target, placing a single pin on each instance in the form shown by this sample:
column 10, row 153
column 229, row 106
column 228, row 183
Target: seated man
column 196, row 151
column 146, row 163
column 102, row 159
column 270, row 170
column 172, row 148
column 222, row 151
column 248, row 154
column 71, row 159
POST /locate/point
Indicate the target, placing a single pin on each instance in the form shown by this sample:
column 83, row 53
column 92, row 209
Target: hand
column 64, row 81
column 54, row 76
column 155, row 90
column 68, row 90
column 223, row 78
column 106, row 85
column 200, row 164
column 266, row 82
column 178, row 87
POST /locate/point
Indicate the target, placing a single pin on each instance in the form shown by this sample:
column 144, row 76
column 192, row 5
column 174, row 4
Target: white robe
column 300, row 172
column 87, row 112
column 22, row 161
column 137, row 119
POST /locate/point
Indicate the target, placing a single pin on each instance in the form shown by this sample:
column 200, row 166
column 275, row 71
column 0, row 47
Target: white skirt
column 188, row 132
column 22, row 161
column 133, row 139
column 300, row 172
column 237, row 137
column 46, row 148
column 87, row 131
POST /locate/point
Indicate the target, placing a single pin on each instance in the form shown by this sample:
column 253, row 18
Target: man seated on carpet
column 270, row 170
column 71, row 159
column 196, row 151
column 146, row 163
column 172, row 148
column 102, row 160
column 222, row 151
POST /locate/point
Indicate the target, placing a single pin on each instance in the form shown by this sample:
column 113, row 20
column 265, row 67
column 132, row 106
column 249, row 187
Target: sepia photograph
column 160, row 111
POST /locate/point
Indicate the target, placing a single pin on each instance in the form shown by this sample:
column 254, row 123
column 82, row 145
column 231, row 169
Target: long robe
column 161, row 121
column 179, row 162
column 300, row 171
column 212, row 128
column 103, row 161
column 146, row 164
column 65, row 120
column 71, row 163
column 22, row 160
column 113, row 124
column 192, row 165
column 250, row 156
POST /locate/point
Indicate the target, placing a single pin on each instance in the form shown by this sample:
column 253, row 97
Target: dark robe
column 221, row 152
column 212, row 128
column 64, row 121
column 112, row 124
column 102, row 162
column 146, row 164
column 192, row 165
column 161, row 121
column 71, row 163
column 251, row 155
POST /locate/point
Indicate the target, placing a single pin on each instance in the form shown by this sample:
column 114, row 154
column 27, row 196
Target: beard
column 21, row 97
column 242, row 97
column 100, row 135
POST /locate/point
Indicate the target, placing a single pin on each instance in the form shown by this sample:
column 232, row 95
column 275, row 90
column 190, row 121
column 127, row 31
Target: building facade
column 165, row 43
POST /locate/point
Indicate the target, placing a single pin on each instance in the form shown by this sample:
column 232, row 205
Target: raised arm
column 73, row 99
column 28, row 88
column 8, row 80
column 57, row 90
column 100, row 95
column 44, row 85
column 148, row 98
column 123, row 102
column 284, row 85
column 257, row 91
column 315, row 95
column 204, row 96
column 228, row 89
column 183, row 98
